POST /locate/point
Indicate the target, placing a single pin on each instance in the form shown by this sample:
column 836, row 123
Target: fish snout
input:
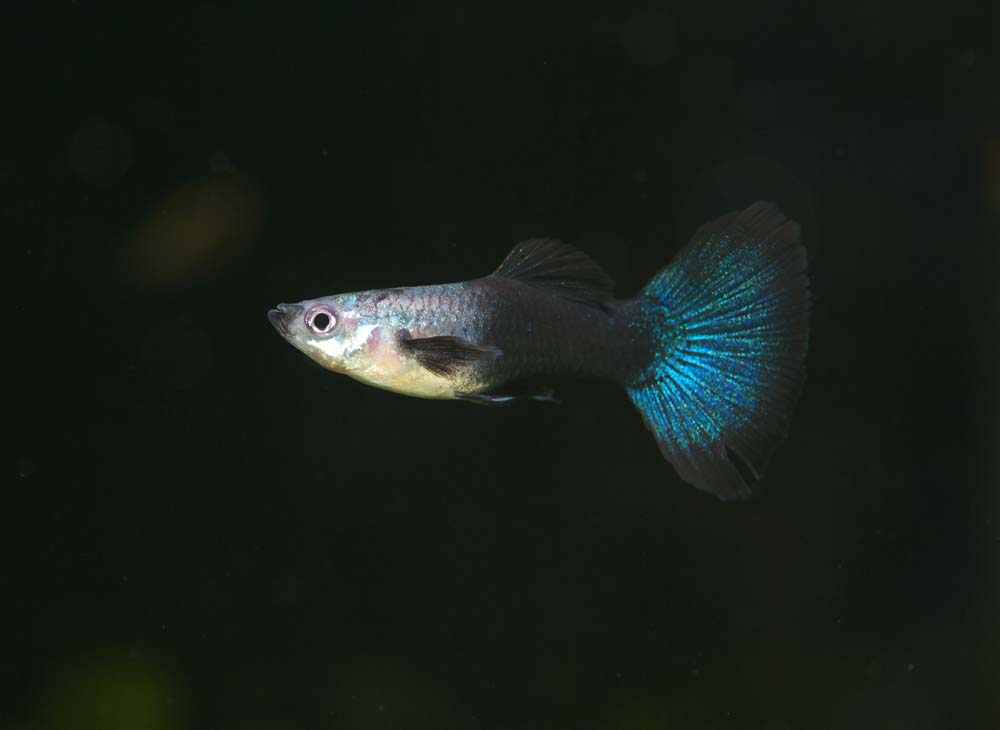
column 283, row 315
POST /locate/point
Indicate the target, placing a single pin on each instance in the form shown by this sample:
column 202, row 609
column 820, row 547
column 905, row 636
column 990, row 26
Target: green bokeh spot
column 112, row 693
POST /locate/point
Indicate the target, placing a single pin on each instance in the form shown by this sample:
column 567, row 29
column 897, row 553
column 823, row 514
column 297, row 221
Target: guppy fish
column 711, row 351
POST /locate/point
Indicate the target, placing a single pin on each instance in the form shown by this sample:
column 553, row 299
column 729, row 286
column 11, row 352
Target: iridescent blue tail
column 730, row 319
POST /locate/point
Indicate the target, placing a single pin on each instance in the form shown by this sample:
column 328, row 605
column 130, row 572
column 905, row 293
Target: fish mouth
column 282, row 316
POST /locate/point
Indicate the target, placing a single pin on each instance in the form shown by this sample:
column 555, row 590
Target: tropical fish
column 711, row 351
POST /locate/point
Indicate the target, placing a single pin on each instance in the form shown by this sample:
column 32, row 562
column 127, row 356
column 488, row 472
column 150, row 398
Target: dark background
column 203, row 529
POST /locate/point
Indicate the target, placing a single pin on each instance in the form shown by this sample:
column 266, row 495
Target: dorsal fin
column 554, row 265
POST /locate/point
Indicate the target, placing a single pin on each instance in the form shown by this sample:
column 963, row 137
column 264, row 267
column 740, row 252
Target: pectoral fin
column 448, row 355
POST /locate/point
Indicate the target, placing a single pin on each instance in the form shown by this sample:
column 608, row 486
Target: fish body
column 711, row 351
column 530, row 329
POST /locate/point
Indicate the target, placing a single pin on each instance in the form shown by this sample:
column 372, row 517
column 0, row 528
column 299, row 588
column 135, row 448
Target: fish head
column 334, row 331
column 359, row 335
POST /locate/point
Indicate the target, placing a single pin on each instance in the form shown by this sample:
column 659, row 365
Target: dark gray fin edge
column 448, row 355
column 559, row 267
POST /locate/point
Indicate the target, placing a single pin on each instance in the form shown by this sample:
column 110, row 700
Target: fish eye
column 321, row 319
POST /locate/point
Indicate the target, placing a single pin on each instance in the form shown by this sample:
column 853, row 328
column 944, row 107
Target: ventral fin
column 448, row 355
column 554, row 265
column 506, row 397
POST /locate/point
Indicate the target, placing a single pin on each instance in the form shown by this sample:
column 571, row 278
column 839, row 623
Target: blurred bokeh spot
column 100, row 152
column 194, row 230
column 113, row 692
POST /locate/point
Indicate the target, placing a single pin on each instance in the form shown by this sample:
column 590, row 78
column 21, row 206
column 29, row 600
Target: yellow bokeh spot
column 193, row 230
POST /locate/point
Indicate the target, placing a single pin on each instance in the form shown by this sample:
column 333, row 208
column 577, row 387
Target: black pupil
column 321, row 321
